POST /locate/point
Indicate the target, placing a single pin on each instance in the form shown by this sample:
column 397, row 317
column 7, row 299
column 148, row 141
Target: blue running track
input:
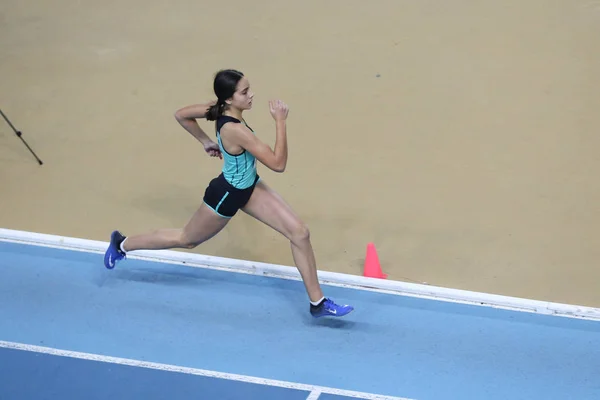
column 70, row 329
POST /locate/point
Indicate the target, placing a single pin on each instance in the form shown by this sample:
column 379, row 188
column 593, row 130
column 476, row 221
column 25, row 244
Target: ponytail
column 215, row 111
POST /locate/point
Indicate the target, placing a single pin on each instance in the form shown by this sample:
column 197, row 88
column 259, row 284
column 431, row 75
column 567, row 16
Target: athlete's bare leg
column 270, row 208
column 203, row 225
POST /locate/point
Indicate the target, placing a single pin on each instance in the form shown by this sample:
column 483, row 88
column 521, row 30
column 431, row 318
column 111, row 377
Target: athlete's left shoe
column 328, row 307
column 113, row 253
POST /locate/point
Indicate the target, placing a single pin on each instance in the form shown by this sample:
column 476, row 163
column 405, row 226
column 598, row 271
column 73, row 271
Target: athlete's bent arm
column 187, row 116
column 275, row 160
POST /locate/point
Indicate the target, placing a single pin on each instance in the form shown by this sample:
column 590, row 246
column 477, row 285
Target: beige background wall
column 471, row 161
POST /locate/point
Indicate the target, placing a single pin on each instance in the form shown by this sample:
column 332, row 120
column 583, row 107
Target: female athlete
column 237, row 187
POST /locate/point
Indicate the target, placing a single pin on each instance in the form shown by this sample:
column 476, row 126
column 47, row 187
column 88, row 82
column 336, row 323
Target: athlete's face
column 242, row 98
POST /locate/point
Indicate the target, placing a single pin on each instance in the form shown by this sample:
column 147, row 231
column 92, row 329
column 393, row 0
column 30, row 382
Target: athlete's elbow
column 178, row 116
column 278, row 168
column 181, row 115
column 278, row 164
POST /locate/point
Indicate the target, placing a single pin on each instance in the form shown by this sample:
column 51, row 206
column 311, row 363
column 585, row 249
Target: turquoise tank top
column 238, row 169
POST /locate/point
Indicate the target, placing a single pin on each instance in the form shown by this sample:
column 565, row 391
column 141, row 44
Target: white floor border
column 315, row 391
column 327, row 278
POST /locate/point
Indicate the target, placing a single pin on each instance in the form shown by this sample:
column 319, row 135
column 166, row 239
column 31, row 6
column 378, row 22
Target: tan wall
column 472, row 161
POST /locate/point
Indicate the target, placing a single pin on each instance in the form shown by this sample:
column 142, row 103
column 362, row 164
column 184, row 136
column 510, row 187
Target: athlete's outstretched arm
column 187, row 116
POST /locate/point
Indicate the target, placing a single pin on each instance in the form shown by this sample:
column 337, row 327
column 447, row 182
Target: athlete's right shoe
column 113, row 253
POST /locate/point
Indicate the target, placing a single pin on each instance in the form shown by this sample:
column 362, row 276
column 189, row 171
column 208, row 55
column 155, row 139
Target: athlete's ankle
column 122, row 246
column 318, row 302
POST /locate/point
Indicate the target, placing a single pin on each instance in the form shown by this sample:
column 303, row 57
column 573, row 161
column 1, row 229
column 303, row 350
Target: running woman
column 237, row 187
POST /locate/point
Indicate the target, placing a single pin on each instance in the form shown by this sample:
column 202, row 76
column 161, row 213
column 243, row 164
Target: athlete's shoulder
column 228, row 118
column 225, row 121
column 235, row 128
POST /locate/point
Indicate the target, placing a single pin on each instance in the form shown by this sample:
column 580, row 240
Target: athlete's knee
column 186, row 242
column 299, row 232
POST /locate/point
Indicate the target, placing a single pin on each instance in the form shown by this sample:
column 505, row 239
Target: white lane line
column 195, row 371
column 314, row 395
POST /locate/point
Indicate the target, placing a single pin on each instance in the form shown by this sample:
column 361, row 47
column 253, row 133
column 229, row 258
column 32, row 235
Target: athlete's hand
column 212, row 149
column 279, row 110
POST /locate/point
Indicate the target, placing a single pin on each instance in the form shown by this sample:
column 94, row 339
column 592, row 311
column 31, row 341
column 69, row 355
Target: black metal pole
column 20, row 135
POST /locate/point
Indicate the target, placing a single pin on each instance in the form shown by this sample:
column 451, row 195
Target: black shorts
column 225, row 199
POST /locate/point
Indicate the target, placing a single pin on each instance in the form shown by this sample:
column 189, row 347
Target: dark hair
column 224, row 85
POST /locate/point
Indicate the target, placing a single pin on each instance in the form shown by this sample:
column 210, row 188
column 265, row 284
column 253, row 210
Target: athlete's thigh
column 203, row 225
column 269, row 207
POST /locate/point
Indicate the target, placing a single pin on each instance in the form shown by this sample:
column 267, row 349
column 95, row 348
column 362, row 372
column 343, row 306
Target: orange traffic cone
column 372, row 267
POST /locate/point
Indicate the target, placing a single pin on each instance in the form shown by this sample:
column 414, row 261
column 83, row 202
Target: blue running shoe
column 328, row 307
column 114, row 253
